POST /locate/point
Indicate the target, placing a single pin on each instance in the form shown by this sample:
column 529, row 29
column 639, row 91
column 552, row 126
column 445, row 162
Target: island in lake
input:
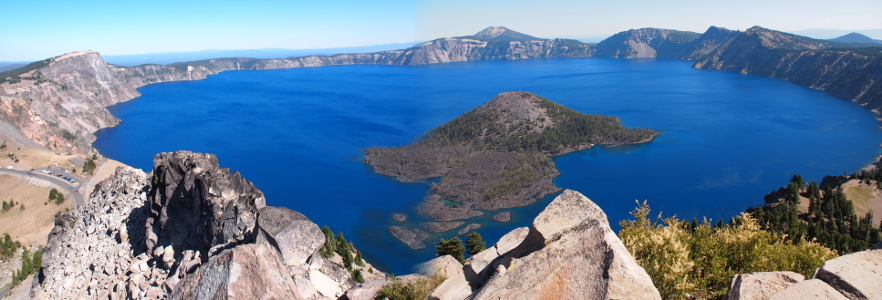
column 493, row 157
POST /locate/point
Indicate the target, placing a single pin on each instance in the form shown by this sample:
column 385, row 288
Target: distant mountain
column 500, row 34
column 173, row 57
column 9, row 65
column 646, row 42
column 856, row 38
column 834, row 33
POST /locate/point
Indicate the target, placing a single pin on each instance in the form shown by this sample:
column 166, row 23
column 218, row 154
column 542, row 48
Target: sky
column 37, row 30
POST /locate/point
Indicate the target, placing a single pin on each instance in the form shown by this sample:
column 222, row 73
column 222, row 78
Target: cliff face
column 646, row 42
column 852, row 74
column 847, row 73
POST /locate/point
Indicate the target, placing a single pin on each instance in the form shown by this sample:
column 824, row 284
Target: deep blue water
column 727, row 139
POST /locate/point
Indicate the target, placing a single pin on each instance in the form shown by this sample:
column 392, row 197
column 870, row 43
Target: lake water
column 727, row 139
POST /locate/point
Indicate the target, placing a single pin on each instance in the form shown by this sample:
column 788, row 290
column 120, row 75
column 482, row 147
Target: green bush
column 686, row 261
column 417, row 289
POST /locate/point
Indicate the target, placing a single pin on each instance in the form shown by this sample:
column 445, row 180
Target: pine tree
column 452, row 247
column 475, row 243
column 358, row 259
column 357, row 276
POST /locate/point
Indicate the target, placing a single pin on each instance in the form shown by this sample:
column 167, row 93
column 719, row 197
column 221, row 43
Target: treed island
column 497, row 155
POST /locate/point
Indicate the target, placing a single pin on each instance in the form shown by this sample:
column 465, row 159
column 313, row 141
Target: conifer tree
column 452, row 247
column 475, row 243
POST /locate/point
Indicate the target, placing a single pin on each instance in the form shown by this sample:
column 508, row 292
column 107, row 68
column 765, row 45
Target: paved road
column 72, row 189
column 5, row 289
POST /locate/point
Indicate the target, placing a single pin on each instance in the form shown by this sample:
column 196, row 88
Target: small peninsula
column 497, row 155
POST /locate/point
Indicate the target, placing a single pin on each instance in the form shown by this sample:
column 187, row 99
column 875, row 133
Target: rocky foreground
column 193, row 230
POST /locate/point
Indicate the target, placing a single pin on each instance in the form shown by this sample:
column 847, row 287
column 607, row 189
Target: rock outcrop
column 244, row 272
column 188, row 230
column 761, row 285
column 853, row 276
column 93, row 251
column 570, row 252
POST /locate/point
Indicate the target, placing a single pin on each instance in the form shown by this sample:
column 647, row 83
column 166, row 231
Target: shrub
column 699, row 262
column 417, row 289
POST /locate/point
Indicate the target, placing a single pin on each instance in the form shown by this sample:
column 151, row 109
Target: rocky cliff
column 846, row 73
column 188, row 230
column 836, row 68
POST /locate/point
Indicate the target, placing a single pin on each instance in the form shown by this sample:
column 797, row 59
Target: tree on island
column 475, row 243
column 452, row 247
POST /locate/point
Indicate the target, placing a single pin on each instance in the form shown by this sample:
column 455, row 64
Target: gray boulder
column 453, row 288
column 761, row 285
column 476, row 266
column 251, row 271
column 446, row 266
column 577, row 256
column 511, row 240
column 196, row 205
column 857, row 275
column 290, row 232
column 809, row 289
column 367, row 290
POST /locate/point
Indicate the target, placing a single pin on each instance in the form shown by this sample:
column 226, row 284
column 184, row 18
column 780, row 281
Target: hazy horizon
column 164, row 26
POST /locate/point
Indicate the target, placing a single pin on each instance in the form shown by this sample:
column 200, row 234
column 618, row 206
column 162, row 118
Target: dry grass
column 31, row 225
column 31, row 158
column 865, row 197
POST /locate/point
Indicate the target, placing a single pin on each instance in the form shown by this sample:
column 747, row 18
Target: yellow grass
column 31, row 226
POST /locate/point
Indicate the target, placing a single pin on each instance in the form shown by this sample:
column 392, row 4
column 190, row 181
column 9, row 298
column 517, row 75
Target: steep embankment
column 847, row 73
column 836, row 68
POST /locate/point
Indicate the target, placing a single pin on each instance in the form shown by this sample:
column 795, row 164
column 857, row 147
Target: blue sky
column 39, row 29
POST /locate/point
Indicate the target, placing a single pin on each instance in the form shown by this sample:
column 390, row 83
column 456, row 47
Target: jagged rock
column 761, row 285
column 293, row 234
column 437, row 227
column 502, row 217
column 583, row 259
column 468, row 228
column 196, row 205
column 412, row 237
column 77, row 261
column 809, row 289
column 252, row 271
column 856, row 275
column 446, row 266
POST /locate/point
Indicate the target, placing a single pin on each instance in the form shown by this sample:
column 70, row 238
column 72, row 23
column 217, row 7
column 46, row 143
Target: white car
column 9, row 167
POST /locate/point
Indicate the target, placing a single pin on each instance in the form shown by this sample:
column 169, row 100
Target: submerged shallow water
column 727, row 139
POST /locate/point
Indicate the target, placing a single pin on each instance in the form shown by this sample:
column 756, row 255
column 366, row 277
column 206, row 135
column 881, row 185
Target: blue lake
column 727, row 139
